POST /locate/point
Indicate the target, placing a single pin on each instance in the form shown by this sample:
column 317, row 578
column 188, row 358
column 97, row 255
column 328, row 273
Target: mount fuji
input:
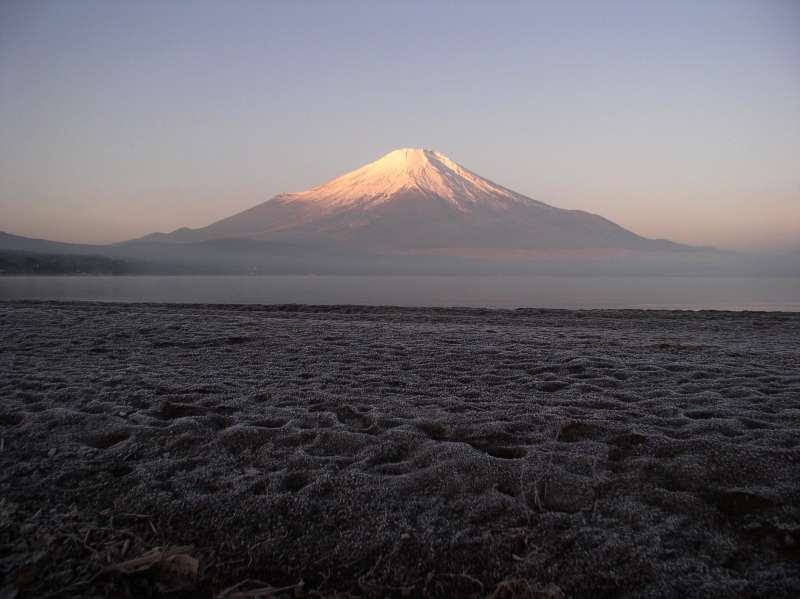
column 412, row 212
column 421, row 202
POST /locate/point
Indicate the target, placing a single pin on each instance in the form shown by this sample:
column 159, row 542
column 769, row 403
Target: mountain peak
column 409, row 171
column 407, row 154
column 410, row 158
column 400, row 162
column 417, row 200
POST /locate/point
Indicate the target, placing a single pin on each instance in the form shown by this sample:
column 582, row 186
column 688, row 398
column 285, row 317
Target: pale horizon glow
column 675, row 120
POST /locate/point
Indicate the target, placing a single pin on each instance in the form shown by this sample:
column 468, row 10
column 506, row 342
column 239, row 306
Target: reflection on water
column 691, row 293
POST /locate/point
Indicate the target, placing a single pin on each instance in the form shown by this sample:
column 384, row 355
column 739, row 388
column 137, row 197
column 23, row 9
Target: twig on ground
column 596, row 487
column 136, row 448
column 127, row 516
column 471, row 405
column 150, row 557
column 523, row 494
column 546, row 477
column 467, row 577
column 262, row 592
column 597, row 482
column 232, row 588
column 72, row 587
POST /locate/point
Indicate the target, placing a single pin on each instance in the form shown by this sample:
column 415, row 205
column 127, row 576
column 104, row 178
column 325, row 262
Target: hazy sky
column 678, row 120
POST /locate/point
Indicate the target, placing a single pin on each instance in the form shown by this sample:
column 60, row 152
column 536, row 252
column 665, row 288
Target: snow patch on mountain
column 419, row 200
column 407, row 171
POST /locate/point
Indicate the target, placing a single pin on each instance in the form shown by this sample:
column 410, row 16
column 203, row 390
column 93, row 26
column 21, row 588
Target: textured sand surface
column 399, row 452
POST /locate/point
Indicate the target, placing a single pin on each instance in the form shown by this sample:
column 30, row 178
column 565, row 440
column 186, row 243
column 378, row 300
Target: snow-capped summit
column 408, row 171
column 417, row 201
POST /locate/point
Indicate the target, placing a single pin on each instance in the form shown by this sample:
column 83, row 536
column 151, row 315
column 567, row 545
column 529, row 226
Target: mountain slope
column 416, row 200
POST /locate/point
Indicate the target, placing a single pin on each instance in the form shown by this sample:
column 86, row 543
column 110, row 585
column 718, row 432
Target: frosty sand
column 398, row 452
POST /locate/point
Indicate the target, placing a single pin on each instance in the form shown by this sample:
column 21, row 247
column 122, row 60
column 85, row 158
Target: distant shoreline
column 366, row 310
column 769, row 294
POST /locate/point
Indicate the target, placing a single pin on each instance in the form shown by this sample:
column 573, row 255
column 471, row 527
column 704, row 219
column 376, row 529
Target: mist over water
column 570, row 292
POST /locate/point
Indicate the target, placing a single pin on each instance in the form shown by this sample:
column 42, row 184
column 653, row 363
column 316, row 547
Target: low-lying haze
column 674, row 120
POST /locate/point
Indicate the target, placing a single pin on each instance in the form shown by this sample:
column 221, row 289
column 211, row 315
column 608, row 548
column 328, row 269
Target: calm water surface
column 691, row 293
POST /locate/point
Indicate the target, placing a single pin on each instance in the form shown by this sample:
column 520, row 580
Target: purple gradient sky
column 678, row 120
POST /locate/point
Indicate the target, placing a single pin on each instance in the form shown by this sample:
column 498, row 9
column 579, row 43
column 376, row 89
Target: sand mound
column 210, row 451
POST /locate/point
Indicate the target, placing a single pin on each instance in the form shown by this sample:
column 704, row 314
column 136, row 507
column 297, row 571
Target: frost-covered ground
column 399, row 452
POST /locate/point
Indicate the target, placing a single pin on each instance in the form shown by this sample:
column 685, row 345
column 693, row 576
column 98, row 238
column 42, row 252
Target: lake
column 573, row 292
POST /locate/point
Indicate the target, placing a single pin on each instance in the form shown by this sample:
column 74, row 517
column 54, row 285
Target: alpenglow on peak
column 413, row 200
column 407, row 171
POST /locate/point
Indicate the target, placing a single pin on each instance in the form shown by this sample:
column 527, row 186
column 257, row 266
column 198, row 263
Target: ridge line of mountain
column 416, row 201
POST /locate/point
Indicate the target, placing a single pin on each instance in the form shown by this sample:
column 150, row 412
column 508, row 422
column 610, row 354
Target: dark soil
column 391, row 452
